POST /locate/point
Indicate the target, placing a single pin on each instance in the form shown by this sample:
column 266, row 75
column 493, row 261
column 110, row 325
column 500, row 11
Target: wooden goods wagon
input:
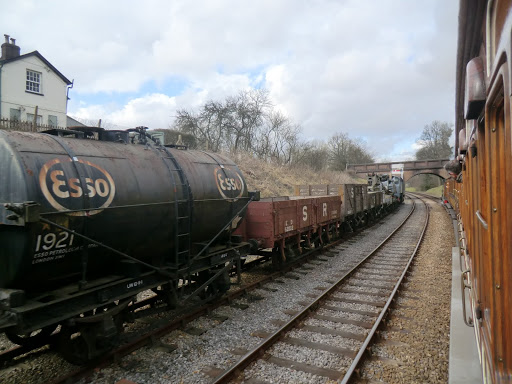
column 290, row 223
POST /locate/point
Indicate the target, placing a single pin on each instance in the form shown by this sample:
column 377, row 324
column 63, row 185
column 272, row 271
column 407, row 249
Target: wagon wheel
column 32, row 339
column 217, row 287
column 168, row 294
column 93, row 334
column 73, row 346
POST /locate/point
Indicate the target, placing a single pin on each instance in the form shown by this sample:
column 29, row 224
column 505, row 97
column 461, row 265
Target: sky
column 379, row 70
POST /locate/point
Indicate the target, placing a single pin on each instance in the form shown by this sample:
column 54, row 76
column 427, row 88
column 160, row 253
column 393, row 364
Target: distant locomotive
column 391, row 184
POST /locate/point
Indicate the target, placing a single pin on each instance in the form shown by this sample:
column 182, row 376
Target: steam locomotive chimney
column 9, row 49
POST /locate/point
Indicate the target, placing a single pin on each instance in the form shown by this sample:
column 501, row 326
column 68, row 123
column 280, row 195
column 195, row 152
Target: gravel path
column 415, row 346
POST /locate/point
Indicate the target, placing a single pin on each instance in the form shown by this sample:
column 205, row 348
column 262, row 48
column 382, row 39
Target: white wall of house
column 51, row 99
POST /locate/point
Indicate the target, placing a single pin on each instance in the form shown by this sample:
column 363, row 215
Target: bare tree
column 434, row 141
column 343, row 151
column 247, row 111
column 315, row 155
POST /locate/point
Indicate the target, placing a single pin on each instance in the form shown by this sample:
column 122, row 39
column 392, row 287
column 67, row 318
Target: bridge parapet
column 411, row 168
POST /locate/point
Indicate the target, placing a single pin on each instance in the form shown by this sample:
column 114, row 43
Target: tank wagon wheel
column 93, row 333
column 73, row 345
column 35, row 338
column 217, row 287
column 168, row 294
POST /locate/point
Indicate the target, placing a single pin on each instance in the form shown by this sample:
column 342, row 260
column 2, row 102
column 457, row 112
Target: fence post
column 34, row 126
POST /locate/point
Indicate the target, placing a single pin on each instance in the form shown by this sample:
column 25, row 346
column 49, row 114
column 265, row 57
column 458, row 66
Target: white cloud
column 375, row 69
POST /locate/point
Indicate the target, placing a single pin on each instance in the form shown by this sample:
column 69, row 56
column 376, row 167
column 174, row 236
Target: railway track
column 367, row 290
column 152, row 338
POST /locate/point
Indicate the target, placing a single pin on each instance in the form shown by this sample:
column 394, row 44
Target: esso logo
column 229, row 183
column 65, row 191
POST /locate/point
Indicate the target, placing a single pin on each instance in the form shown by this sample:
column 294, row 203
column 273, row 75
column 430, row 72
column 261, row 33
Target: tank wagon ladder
column 182, row 207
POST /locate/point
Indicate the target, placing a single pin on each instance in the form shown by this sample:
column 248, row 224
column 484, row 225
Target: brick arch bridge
column 411, row 168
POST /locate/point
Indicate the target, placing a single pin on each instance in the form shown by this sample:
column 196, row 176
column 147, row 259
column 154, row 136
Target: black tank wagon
column 85, row 225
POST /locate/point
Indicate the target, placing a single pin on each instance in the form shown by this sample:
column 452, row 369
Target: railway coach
column 481, row 192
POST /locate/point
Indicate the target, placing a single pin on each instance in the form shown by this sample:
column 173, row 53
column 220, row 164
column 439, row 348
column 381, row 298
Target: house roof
column 40, row 57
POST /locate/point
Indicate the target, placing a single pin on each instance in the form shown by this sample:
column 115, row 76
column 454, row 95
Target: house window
column 15, row 114
column 33, row 83
column 52, row 121
column 30, row 118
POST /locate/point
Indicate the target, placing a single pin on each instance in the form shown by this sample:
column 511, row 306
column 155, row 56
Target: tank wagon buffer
column 85, row 225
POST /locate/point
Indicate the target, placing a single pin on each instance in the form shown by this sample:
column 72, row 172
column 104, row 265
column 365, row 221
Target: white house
column 28, row 83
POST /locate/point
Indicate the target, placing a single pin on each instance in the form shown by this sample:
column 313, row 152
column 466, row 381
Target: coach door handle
column 479, row 216
column 465, row 285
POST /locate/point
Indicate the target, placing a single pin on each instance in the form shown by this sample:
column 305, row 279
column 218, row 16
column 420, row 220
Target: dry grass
column 277, row 180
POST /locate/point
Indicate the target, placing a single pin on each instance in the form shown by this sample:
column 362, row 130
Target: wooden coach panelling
column 484, row 198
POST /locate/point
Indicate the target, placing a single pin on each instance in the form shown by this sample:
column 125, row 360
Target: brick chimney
column 9, row 49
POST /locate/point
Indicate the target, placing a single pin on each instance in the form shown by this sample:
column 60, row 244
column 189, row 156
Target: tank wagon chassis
column 92, row 313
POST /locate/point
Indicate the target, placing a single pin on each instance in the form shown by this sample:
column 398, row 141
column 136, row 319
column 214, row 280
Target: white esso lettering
column 57, row 184
column 98, row 187
column 102, row 188
column 221, row 182
column 305, row 213
column 75, row 188
column 90, row 187
column 324, row 209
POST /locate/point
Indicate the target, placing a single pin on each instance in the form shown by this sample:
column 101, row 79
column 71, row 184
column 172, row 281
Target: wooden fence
column 26, row 126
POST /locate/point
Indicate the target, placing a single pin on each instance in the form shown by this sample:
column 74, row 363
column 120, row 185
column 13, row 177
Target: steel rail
column 251, row 356
column 385, row 309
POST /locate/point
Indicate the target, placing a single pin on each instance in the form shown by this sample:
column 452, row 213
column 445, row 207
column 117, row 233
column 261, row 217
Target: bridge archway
column 424, row 181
